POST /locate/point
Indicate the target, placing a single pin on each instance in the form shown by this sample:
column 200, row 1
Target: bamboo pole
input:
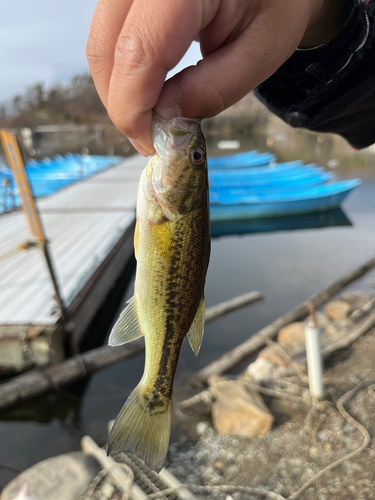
column 230, row 360
column 215, row 312
column 40, row 381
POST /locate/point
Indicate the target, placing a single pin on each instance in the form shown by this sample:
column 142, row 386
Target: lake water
column 286, row 267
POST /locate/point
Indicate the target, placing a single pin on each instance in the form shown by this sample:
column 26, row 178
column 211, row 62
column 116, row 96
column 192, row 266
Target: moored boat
column 245, row 177
column 311, row 200
column 288, row 184
column 241, row 160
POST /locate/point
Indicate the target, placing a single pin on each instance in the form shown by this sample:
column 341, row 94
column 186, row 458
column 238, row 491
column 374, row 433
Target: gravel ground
column 304, row 440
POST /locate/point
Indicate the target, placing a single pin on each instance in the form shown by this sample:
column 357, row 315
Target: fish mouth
column 175, row 134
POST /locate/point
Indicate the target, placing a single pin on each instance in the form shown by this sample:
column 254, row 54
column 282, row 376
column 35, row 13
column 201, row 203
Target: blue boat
column 50, row 175
column 241, row 160
column 261, row 170
column 227, row 183
column 300, row 201
column 247, row 178
column 288, row 184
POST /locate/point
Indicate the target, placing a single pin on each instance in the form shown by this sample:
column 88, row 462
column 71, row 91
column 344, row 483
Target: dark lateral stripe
column 184, row 266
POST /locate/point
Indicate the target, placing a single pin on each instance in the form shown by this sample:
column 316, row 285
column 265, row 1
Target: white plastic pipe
column 314, row 361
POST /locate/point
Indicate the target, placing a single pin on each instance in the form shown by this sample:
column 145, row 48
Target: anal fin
column 126, row 328
column 195, row 334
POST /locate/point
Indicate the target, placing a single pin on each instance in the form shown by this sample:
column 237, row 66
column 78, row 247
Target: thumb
column 228, row 74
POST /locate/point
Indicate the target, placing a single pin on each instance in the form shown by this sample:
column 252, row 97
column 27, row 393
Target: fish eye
column 197, row 156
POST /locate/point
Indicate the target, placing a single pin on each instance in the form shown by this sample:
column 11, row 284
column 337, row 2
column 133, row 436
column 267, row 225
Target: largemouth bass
column 172, row 248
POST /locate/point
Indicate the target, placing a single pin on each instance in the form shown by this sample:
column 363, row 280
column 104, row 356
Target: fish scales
column 181, row 301
column 172, row 247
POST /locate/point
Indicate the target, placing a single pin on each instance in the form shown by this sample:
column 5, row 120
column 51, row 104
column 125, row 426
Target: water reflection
column 64, row 406
column 297, row 222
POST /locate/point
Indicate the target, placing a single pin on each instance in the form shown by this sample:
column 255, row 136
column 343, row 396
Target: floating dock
column 89, row 226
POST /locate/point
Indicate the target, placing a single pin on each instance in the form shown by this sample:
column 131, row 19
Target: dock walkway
column 90, row 229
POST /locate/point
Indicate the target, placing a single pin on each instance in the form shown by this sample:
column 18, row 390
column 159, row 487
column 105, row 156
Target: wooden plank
column 233, row 358
column 73, row 263
column 35, row 273
column 93, row 195
column 84, row 223
column 95, row 290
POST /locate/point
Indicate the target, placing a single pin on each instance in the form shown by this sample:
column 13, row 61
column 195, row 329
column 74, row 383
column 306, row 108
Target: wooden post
column 15, row 161
column 215, row 312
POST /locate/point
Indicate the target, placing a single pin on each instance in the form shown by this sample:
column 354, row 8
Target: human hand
column 134, row 43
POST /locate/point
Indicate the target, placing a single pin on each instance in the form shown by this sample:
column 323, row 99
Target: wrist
column 329, row 18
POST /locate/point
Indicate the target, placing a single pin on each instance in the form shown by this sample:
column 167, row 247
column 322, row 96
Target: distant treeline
column 77, row 102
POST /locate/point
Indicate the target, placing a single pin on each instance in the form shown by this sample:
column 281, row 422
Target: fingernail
column 169, row 112
column 140, row 148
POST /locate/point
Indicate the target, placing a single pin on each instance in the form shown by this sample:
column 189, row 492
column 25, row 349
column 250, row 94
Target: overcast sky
column 45, row 40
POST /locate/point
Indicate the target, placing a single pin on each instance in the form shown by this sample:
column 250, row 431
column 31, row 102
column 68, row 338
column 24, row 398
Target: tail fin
column 142, row 431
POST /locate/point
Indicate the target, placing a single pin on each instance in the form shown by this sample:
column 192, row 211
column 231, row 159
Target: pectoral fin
column 196, row 331
column 127, row 327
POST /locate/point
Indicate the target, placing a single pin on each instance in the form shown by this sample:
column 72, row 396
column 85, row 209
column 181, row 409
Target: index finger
column 105, row 28
column 155, row 36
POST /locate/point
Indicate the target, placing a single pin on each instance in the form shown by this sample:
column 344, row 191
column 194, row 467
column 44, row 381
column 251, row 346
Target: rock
column 293, row 334
column 272, row 354
column 238, row 410
column 201, row 428
column 262, row 369
column 323, row 436
column 338, row 310
column 331, row 331
column 219, row 466
column 65, row 477
column 356, row 299
column 25, row 494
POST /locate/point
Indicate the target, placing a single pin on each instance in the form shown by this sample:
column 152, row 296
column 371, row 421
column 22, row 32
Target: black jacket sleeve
column 331, row 88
